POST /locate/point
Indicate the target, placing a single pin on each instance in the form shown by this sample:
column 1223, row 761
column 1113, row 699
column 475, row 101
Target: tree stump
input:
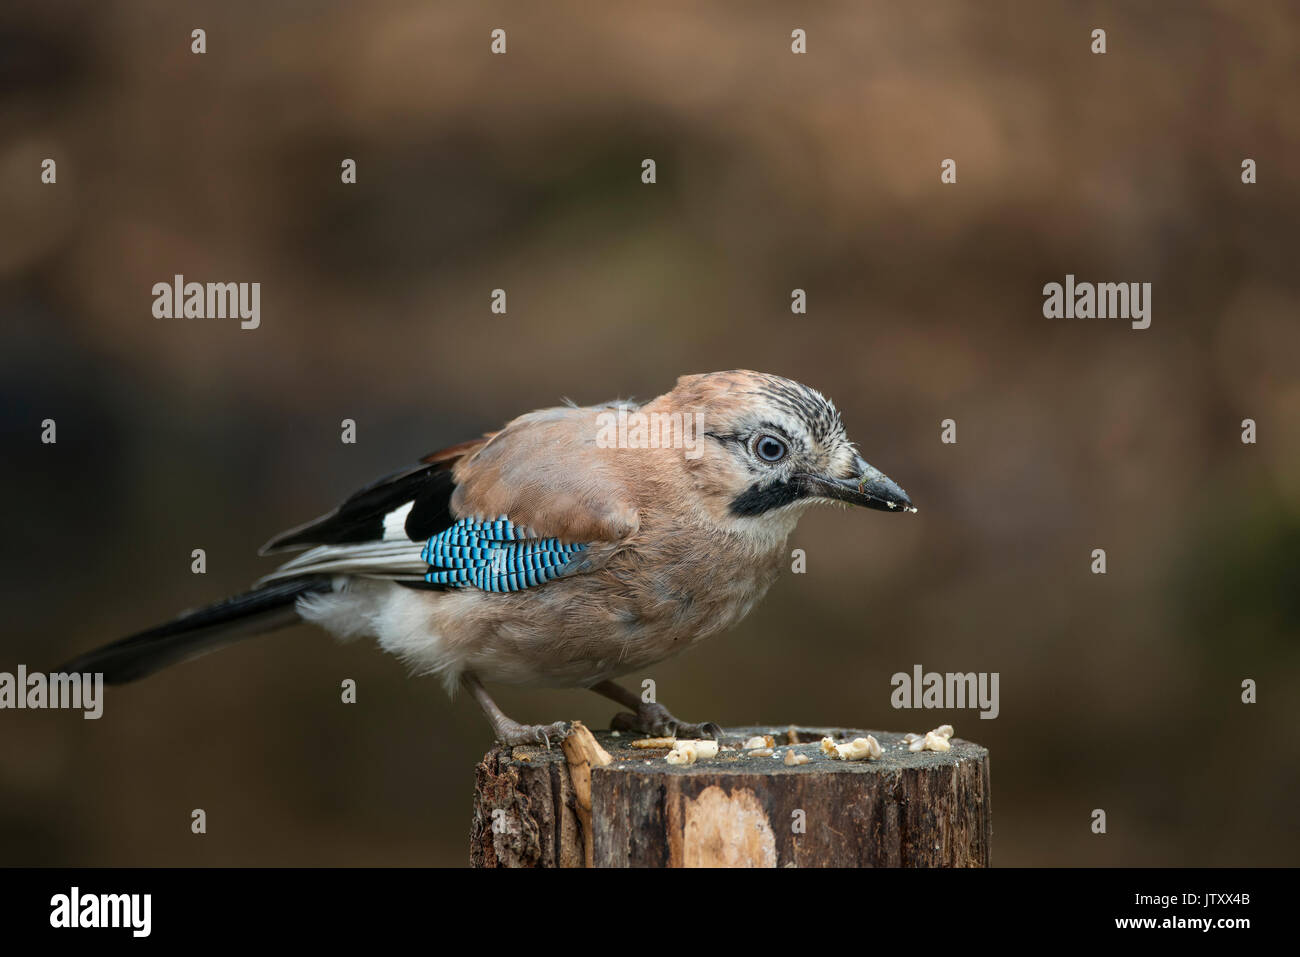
column 905, row 809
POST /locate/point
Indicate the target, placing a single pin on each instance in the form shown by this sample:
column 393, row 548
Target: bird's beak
column 871, row 488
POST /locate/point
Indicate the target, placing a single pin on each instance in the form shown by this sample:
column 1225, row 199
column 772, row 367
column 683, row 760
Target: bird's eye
column 769, row 448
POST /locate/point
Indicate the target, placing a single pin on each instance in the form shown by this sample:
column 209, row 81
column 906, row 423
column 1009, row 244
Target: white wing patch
column 395, row 523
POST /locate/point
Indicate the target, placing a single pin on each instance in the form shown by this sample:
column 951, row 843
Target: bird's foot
column 654, row 719
column 513, row 733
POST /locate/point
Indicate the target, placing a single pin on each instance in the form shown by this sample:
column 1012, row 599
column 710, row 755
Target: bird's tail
column 198, row 632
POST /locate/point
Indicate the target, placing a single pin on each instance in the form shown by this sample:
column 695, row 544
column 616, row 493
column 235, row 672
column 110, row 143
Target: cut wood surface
column 564, row 807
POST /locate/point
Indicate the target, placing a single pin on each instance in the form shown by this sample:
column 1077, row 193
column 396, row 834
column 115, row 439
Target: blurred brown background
column 775, row 171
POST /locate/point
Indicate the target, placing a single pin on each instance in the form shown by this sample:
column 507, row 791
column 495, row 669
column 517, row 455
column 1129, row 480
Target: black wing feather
column 361, row 517
column 198, row 632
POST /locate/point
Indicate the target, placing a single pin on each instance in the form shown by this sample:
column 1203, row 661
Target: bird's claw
column 523, row 734
column 707, row 729
column 656, row 720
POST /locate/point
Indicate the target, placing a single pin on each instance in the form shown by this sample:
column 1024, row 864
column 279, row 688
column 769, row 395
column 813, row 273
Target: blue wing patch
column 494, row 556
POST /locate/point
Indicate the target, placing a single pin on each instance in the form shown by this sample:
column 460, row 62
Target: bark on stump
column 906, row 809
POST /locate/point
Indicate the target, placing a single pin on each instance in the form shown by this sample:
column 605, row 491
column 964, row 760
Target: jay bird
column 541, row 555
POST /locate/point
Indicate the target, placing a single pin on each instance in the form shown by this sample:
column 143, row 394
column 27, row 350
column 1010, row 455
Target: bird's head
column 770, row 448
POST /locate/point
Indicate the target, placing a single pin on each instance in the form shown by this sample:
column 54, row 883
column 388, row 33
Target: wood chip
column 582, row 752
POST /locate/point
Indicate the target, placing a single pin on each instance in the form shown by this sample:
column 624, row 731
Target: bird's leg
column 506, row 730
column 650, row 717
